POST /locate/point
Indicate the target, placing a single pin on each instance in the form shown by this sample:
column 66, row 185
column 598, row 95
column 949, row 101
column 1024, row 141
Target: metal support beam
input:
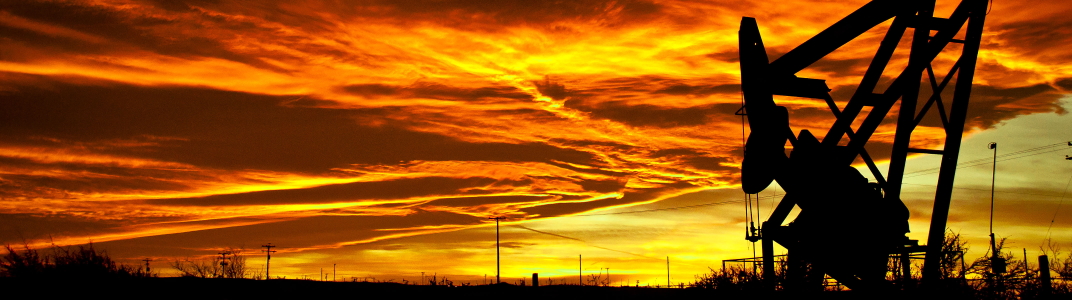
column 954, row 133
column 865, row 92
column 909, row 96
column 845, row 30
column 769, row 232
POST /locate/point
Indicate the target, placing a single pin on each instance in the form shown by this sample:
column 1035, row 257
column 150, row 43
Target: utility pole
column 332, row 272
column 668, row 271
column 147, row 260
column 580, row 279
column 498, row 265
column 997, row 264
column 268, row 251
column 223, row 263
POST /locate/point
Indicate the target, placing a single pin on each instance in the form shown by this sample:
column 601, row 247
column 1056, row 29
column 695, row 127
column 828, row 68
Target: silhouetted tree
column 598, row 279
column 235, row 266
column 230, row 264
column 952, row 260
column 64, row 262
column 196, row 268
column 1062, row 265
column 25, row 263
column 1015, row 281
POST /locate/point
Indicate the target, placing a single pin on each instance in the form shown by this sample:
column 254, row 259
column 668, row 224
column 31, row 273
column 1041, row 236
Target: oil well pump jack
column 848, row 227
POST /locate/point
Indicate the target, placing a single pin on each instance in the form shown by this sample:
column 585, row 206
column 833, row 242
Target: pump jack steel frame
column 761, row 80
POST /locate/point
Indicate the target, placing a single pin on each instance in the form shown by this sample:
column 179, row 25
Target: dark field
column 200, row 288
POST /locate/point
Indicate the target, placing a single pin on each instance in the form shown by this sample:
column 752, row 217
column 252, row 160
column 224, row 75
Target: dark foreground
column 198, row 288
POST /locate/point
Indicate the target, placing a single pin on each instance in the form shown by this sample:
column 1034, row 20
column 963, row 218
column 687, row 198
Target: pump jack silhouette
column 848, row 227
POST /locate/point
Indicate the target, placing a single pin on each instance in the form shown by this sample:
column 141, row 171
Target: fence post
column 1044, row 273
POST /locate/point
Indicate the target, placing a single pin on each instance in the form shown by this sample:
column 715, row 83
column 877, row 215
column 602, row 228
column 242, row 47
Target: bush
column 64, row 262
column 735, row 278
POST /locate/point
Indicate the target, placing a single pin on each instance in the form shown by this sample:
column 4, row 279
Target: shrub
column 64, row 262
column 735, row 278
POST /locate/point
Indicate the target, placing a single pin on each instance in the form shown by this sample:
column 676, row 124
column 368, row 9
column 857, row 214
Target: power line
column 1012, row 156
column 585, row 242
column 968, row 165
column 677, row 207
column 593, row 245
column 971, row 163
column 663, row 209
column 985, row 160
column 1039, row 148
column 986, row 190
column 1063, row 194
column 1006, row 157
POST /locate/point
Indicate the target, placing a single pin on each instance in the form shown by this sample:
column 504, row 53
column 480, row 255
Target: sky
column 378, row 137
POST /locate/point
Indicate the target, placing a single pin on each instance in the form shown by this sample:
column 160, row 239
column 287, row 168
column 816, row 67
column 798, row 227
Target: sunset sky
column 381, row 135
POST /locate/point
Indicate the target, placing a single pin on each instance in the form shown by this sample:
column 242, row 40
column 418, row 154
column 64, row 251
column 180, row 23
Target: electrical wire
column 988, row 159
column 1063, row 194
column 987, row 190
column 759, row 198
column 1004, row 157
column 675, row 208
column 1059, row 203
column 663, row 209
column 774, row 199
column 590, row 244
